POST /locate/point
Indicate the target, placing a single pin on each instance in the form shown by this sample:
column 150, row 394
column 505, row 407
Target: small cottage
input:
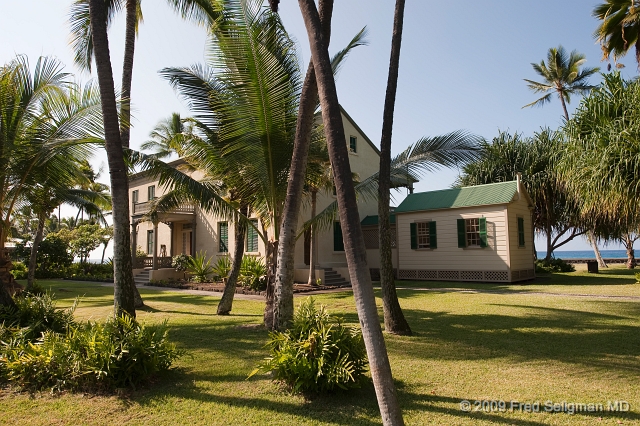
column 479, row 233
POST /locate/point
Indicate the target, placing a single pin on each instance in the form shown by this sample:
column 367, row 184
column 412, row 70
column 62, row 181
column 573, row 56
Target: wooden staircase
column 332, row 278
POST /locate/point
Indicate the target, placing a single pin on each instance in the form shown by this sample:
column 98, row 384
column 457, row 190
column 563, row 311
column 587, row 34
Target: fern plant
column 316, row 354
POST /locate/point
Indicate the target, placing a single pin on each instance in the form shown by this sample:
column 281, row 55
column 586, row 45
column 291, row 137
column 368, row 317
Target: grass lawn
column 558, row 339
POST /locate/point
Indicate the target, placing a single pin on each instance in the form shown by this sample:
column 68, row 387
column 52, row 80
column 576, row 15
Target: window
column 252, row 236
column 135, row 196
column 520, row 232
column 423, row 235
column 150, row 242
column 223, row 234
column 472, row 232
column 353, row 144
column 151, row 192
column 338, row 242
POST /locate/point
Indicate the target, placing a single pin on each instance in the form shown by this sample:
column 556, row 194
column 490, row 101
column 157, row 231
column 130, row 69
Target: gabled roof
column 481, row 195
column 373, row 220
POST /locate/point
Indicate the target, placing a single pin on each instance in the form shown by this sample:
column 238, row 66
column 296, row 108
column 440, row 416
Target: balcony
column 142, row 208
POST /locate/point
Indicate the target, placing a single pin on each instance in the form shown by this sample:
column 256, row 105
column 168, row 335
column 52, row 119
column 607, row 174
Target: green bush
column 637, row 274
column 181, row 262
column 222, row 267
column 19, row 270
column 253, row 273
column 553, row 265
column 316, row 354
column 44, row 348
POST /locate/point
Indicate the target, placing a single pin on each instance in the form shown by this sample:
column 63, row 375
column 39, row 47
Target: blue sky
column 461, row 64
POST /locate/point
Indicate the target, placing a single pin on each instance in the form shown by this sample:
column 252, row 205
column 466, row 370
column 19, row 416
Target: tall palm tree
column 350, row 220
column 394, row 320
column 123, row 272
column 38, row 128
column 619, row 28
column 562, row 75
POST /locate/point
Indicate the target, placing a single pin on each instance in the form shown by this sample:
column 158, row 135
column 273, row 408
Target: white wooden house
column 479, row 233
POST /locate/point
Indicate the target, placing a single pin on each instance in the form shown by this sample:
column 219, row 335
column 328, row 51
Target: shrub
column 181, row 262
column 19, row 270
column 553, row 265
column 222, row 267
column 38, row 352
column 253, row 273
column 316, row 355
column 637, row 274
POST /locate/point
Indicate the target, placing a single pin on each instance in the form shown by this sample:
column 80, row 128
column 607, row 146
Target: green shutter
column 252, row 237
column 521, row 232
column 483, row 232
column 223, row 234
column 433, row 239
column 338, row 243
column 414, row 236
column 462, row 234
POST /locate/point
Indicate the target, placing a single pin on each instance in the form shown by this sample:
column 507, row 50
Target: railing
column 141, row 208
column 147, row 262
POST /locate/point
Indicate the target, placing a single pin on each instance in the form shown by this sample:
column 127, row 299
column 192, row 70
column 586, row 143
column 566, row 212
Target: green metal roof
column 481, row 195
column 373, row 220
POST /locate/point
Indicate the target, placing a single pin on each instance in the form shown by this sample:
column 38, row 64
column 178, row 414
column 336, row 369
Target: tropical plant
column 39, row 127
column 350, row 220
column 200, row 267
column 602, row 157
column 180, row 262
column 562, row 75
column 222, row 267
column 619, row 28
column 166, row 137
column 253, row 273
column 316, row 354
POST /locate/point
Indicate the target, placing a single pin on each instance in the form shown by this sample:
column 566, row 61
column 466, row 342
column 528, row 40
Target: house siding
column 521, row 257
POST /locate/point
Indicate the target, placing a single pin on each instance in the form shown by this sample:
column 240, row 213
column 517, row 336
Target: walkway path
column 438, row 290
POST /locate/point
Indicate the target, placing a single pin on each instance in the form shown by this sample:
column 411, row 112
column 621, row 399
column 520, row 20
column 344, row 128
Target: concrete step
column 333, row 278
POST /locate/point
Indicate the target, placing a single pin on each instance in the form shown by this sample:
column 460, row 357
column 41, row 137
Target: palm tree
column 44, row 118
column 246, row 116
column 283, row 306
column 166, row 137
column 350, row 220
column 394, row 320
column 561, row 75
column 123, row 272
column 619, row 28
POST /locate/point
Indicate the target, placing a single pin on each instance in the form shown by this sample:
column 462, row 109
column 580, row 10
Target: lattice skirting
column 524, row 274
column 481, row 276
column 375, row 273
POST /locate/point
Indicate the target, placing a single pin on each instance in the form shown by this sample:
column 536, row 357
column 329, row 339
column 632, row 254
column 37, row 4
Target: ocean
column 585, row 254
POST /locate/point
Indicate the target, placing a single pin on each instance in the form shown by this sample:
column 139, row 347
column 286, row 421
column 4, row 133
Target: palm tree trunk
column 350, row 221
column 312, row 240
column 283, row 312
column 549, row 245
column 394, row 320
column 224, row 307
column 122, row 265
column 127, row 70
column 596, row 251
column 631, row 258
column 564, row 105
column 31, row 274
